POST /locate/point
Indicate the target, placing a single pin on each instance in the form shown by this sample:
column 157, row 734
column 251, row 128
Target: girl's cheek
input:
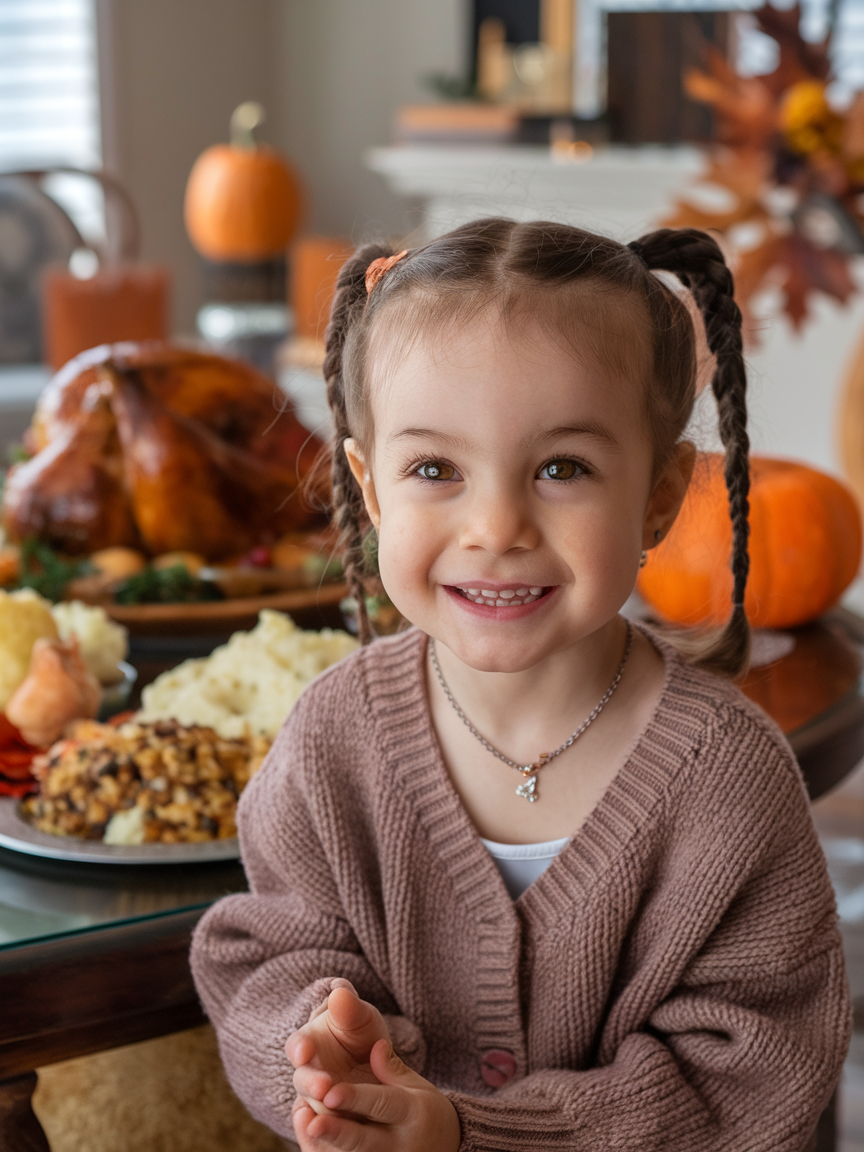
column 409, row 544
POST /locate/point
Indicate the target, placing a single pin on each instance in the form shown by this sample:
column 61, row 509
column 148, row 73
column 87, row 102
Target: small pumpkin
column 805, row 547
column 243, row 201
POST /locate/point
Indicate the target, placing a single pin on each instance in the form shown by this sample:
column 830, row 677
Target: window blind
column 49, row 98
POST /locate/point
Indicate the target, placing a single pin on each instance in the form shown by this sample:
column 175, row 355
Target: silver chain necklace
column 528, row 788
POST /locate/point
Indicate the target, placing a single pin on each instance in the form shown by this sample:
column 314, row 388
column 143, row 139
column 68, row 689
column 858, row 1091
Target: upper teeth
column 505, row 598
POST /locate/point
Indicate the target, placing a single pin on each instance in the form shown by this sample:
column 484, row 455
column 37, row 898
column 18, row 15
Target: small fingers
column 372, row 1102
column 326, row 1132
column 302, row 1118
column 312, row 1083
column 299, row 1048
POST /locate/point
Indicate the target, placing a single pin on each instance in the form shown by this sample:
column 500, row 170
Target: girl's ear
column 363, row 475
column 668, row 494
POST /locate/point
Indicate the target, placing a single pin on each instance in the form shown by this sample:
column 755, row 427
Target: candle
column 120, row 302
column 315, row 265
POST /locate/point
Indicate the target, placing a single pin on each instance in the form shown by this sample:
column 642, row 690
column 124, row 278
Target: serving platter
column 219, row 616
column 19, row 836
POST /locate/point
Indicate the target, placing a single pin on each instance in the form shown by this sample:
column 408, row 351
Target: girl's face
column 505, row 470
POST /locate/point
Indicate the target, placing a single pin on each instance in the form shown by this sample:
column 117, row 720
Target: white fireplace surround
column 619, row 191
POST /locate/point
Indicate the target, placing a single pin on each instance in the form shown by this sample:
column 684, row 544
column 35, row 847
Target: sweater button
column 497, row 1066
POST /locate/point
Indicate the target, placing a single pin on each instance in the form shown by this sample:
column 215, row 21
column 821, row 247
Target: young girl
column 522, row 877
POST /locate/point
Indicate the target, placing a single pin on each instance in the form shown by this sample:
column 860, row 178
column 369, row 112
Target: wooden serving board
column 311, row 607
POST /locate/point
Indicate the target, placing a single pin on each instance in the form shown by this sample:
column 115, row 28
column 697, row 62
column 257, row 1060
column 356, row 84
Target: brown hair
column 511, row 264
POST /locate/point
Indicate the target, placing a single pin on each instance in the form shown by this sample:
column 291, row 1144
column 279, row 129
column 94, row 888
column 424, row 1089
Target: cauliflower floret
column 250, row 684
column 103, row 643
column 126, row 827
column 24, row 618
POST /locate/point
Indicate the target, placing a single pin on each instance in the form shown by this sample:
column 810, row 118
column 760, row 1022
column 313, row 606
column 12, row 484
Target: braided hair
column 695, row 258
column 349, row 511
column 586, row 278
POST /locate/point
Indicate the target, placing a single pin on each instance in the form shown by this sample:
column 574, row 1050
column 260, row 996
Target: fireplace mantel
column 618, row 191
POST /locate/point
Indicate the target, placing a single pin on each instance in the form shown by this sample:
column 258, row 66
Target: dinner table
column 94, row 956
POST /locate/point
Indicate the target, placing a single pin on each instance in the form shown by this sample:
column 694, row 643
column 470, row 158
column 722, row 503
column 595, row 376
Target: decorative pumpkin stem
column 244, row 120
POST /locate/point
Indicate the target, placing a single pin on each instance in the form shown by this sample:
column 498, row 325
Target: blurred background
column 142, row 90
column 130, row 130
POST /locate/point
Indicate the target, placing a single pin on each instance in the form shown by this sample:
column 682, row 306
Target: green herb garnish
column 175, row 585
column 46, row 572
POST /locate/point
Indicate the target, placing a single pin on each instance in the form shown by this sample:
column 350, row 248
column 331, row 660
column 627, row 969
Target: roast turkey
column 164, row 448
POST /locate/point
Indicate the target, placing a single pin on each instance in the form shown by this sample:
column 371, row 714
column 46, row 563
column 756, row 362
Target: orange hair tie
column 378, row 267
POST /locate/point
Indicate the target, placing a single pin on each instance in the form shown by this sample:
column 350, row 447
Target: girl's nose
column 498, row 522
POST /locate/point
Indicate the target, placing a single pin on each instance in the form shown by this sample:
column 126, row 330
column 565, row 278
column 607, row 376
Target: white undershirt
column 521, row 864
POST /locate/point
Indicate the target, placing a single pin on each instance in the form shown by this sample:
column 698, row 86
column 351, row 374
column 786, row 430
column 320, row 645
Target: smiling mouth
column 513, row 597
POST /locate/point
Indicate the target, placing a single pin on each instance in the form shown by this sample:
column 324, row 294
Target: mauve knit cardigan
column 673, row 981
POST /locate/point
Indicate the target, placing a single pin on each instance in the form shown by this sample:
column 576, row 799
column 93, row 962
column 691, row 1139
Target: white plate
column 20, row 836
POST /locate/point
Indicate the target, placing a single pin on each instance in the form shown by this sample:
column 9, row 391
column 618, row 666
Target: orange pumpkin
column 805, row 547
column 243, row 201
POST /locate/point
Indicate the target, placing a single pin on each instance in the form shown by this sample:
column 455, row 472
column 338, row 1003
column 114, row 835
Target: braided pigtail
column 695, row 258
column 349, row 511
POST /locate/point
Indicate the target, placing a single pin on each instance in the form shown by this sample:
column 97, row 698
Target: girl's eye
column 436, row 470
column 560, row 470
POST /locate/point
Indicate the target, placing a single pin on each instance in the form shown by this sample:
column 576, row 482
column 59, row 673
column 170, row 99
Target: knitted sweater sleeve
column 263, row 961
column 746, row 1047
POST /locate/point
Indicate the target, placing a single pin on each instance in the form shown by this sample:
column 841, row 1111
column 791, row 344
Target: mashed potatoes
column 251, row 683
column 24, row 618
column 102, row 642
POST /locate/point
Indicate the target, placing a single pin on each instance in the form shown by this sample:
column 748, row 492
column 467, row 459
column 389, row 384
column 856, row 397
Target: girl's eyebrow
column 591, row 428
column 428, row 434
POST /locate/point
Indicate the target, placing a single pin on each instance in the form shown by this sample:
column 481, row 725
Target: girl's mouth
column 514, row 596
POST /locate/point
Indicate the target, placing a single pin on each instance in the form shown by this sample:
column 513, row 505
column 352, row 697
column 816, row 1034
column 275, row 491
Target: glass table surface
column 40, row 899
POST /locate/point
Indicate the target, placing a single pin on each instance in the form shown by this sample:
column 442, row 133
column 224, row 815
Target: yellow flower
column 808, row 121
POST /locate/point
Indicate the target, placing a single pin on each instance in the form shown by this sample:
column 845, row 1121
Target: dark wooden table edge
column 828, row 748
column 37, row 1025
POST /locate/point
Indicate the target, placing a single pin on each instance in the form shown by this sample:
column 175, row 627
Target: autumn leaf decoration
column 789, row 170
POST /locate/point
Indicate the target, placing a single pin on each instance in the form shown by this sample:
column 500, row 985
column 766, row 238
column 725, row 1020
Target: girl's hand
column 335, row 1045
column 401, row 1112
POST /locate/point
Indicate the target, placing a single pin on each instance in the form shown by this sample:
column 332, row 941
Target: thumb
column 390, row 1070
column 348, row 1013
column 354, row 1022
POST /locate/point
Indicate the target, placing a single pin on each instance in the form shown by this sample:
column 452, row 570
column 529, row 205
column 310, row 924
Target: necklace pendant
column 528, row 788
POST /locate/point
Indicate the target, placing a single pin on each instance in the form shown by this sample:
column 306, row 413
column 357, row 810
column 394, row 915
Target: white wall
column 330, row 73
column 340, row 69
column 796, row 378
column 794, row 385
column 174, row 72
